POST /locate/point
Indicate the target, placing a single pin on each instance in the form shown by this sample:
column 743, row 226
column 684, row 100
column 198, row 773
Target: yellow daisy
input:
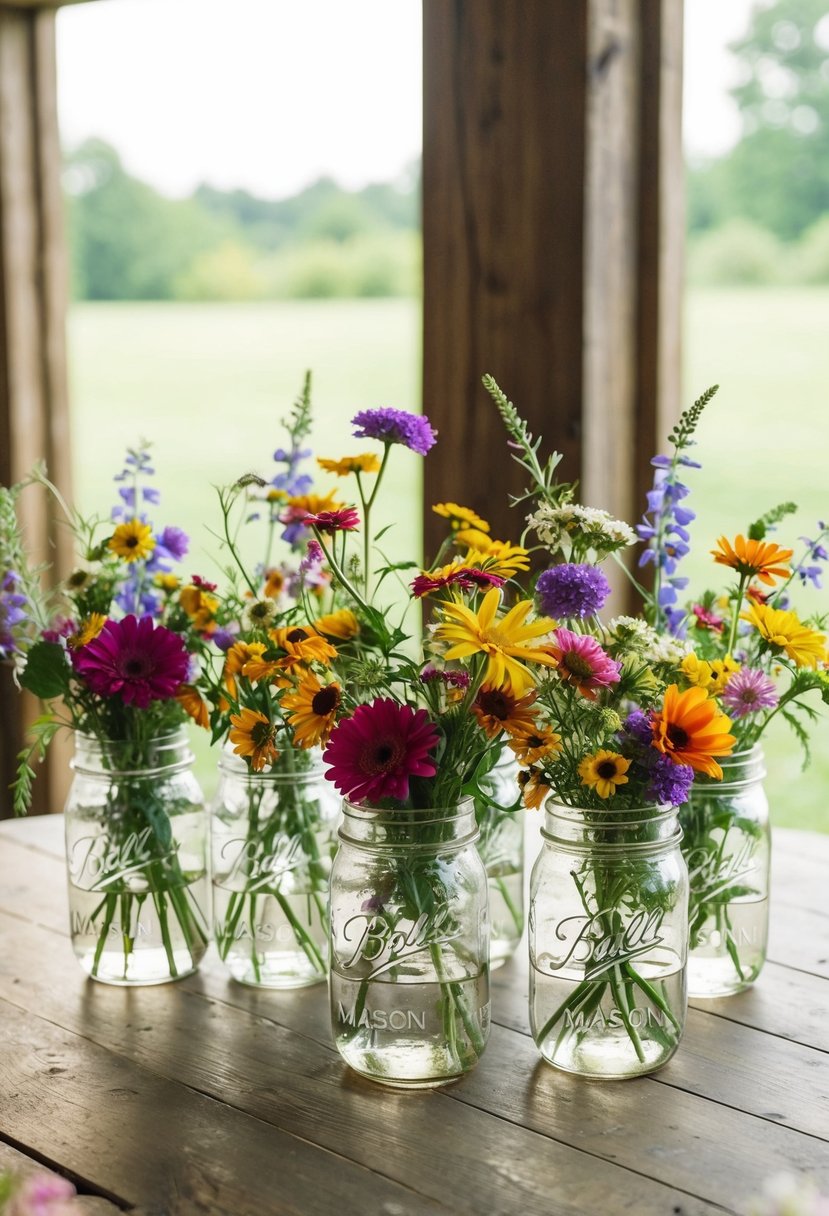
column 366, row 462
column 784, row 631
column 194, row 705
column 505, row 642
column 539, row 743
column 460, row 518
column 342, row 624
column 167, row 582
column 199, row 605
column 712, row 676
column 254, row 737
column 497, row 557
column 88, row 629
column 314, row 710
column 132, row 541
column 604, row 771
column 302, row 644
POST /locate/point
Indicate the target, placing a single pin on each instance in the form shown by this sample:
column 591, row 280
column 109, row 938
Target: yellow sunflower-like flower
column 254, row 738
column 199, row 605
column 712, row 676
column 237, row 656
column 530, row 745
column 366, row 462
column 497, row 557
column 496, row 709
column 506, row 642
column 342, row 624
column 785, row 632
column 132, row 541
column 753, row 557
column 460, row 518
column 302, row 644
column 534, row 787
column 311, row 504
column 167, row 582
column 313, row 710
column 274, row 582
column 88, row 629
column 473, row 538
column 604, row 771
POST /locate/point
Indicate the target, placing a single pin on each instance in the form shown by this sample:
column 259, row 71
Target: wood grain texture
column 742, row 1099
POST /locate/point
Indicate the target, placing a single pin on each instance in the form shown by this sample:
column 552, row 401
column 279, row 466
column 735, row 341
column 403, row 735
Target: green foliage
column 811, row 257
column 739, row 253
column 227, row 272
column 760, row 527
column 680, row 436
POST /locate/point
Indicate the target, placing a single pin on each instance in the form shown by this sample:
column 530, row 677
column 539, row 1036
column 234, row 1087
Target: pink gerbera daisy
column 582, row 662
column 374, row 752
column 749, row 691
column 136, row 660
column 345, row 519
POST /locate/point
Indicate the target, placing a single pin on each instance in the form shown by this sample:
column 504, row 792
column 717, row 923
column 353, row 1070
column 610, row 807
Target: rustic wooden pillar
column 34, row 422
column 552, row 238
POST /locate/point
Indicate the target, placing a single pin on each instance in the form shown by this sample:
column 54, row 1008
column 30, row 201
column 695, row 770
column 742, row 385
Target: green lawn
column 209, row 383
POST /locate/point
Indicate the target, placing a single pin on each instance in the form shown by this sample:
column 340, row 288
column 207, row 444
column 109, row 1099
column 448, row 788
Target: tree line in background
column 759, row 214
column 129, row 242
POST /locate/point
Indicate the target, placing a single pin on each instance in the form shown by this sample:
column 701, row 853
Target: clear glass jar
column 136, row 849
column 608, row 935
column 409, row 944
column 500, row 817
column 273, row 840
column 727, row 847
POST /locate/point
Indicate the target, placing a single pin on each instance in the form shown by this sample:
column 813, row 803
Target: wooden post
column 34, row 423
column 551, row 145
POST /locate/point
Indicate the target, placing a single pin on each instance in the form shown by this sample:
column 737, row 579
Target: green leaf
column 46, row 673
column 760, row 527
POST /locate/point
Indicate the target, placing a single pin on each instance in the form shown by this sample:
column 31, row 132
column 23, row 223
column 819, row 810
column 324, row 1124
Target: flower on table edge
column 413, row 431
column 690, row 729
column 764, row 559
column 603, row 771
column 504, row 642
column 373, row 753
column 134, row 659
column 254, row 736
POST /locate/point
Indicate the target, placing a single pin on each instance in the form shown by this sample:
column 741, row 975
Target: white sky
column 270, row 94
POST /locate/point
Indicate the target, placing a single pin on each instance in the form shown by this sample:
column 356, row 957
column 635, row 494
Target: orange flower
column 302, row 644
column 530, row 745
column 534, row 787
column 750, row 557
column 314, row 710
column 691, row 730
column 239, row 654
column 341, row 624
column 200, row 606
column 497, row 709
column 194, row 705
column 254, row 737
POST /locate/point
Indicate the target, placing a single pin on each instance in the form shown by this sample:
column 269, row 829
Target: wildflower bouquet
column 747, row 646
column 614, row 743
column 113, row 653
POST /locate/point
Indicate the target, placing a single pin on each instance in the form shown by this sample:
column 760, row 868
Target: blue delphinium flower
column 13, row 614
column 815, row 552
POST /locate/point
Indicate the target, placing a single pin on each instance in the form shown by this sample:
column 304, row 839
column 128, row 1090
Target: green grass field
column 209, row 383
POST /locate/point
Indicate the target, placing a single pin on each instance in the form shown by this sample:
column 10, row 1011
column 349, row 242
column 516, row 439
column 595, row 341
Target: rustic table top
column 210, row 1098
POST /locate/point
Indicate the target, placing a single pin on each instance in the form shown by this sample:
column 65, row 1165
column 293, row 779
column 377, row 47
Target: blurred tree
column 778, row 174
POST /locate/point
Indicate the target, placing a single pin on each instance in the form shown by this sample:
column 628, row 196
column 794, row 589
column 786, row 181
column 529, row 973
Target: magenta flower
column 748, row 691
column 42, row 1195
column 374, row 752
column 582, row 662
column 413, row 431
column 136, row 660
column 464, row 577
column 345, row 519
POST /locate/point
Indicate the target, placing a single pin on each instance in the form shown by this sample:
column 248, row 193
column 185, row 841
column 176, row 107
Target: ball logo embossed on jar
column 594, row 945
column 386, row 942
column 96, row 862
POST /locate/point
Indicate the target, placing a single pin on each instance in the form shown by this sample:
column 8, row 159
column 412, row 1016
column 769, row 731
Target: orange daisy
column 534, row 787
column 753, row 557
column 539, row 743
column 194, row 705
column 691, row 730
column 498, row 709
column 254, row 737
column 314, row 707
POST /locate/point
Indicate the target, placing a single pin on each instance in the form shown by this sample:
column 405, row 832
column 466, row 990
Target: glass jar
column 409, row 982
column 500, row 817
column 136, row 849
column 727, row 847
column 273, row 840
column 608, row 934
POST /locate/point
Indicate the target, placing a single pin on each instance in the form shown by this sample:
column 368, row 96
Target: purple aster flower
column 175, row 543
column 12, row 613
column 669, row 782
column 223, row 638
column 638, row 725
column 571, row 590
column 748, row 691
column 413, row 431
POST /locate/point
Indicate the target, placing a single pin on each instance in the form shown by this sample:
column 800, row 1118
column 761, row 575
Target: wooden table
column 209, row 1098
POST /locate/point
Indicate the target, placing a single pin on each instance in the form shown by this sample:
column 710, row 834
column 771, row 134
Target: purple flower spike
column 413, row 431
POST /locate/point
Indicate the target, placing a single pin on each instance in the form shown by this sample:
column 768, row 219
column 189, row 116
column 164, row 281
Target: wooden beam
column 543, row 262
column 34, row 422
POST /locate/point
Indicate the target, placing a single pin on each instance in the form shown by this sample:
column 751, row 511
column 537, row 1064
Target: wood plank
column 298, row 1083
column 152, row 1141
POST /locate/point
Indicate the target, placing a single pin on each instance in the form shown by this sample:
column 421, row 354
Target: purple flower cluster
column 452, row 679
column 572, row 590
column 413, row 431
column 815, row 552
column 13, row 613
column 665, row 529
column 748, row 691
column 668, row 782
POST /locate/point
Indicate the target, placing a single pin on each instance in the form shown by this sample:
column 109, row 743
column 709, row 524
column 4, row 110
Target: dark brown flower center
column 606, row 769
column 677, row 736
column 382, row 756
column 297, row 635
column 326, row 700
column 495, row 704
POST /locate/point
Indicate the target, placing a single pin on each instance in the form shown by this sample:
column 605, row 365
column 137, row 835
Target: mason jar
column 727, row 848
column 608, row 932
column 409, row 968
column 500, row 817
column 136, row 850
column 273, row 839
